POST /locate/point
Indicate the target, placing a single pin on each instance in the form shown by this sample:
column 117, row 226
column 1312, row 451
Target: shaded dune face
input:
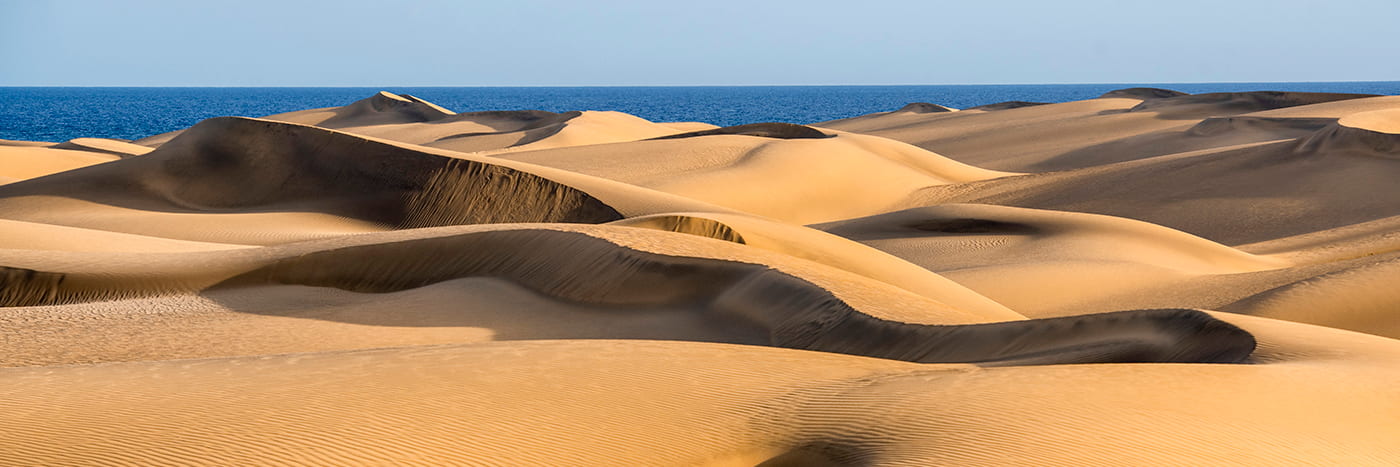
column 237, row 164
column 796, row 313
column 1190, row 105
column 765, row 130
column 1143, row 93
column 578, row 268
column 523, row 126
column 391, row 282
column 924, row 108
column 691, row 225
column 1006, row 105
column 1374, row 133
column 387, row 107
column 1123, row 125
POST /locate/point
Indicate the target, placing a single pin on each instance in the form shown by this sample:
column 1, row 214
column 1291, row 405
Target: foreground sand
column 1144, row 278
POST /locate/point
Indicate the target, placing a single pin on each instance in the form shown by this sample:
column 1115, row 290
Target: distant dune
column 1145, row 278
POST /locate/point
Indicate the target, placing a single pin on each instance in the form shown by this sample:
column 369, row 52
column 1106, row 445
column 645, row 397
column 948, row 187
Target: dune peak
column 386, row 107
column 925, row 108
column 391, row 282
column 1142, row 93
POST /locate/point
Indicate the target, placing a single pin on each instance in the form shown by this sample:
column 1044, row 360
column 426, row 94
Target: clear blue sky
column 720, row 42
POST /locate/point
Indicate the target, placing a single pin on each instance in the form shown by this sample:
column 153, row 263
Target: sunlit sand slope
column 1145, row 278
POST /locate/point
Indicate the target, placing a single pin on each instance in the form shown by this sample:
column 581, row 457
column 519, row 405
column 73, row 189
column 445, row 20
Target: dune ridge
column 1149, row 277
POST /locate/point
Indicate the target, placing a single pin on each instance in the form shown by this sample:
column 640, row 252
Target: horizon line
column 671, row 85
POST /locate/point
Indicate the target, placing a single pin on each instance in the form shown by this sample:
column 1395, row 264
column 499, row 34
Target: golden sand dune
column 1119, row 126
column 393, row 282
column 1038, row 262
column 22, row 162
column 830, row 250
column 408, row 119
column 104, row 145
column 670, row 403
column 787, row 173
column 1329, row 178
column 738, row 293
column 269, row 174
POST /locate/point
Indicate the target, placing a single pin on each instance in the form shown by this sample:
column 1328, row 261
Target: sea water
column 63, row 113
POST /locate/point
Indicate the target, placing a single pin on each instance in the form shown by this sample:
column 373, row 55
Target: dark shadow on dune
column 974, row 227
column 827, row 453
column 240, row 165
column 765, row 130
column 1142, row 93
column 1195, row 106
column 924, row 108
column 1341, row 139
column 896, row 228
column 691, row 225
column 726, row 297
column 1216, row 132
column 1008, row 105
column 22, row 287
column 536, row 124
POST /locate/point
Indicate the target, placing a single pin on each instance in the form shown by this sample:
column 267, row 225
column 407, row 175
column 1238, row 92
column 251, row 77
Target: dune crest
column 1148, row 277
column 1373, row 133
column 765, row 130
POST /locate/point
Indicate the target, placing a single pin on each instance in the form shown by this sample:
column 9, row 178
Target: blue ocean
column 63, row 113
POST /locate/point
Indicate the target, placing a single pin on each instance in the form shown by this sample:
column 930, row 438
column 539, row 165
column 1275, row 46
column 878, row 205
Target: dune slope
column 1145, row 278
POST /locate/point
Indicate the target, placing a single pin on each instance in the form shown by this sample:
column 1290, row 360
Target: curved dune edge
column 799, row 181
column 24, row 162
column 1008, row 105
column 600, row 127
column 104, row 145
column 924, row 108
column 1372, row 133
column 561, row 289
column 1360, row 299
column 19, row 235
column 1103, row 238
column 408, row 119
column 1142, row 93
column 830, row 250
column 765, row 130
column 232, row 163
column 440, row 191
column 1054, row 263
column 1254, row 101
column 708, row 404
column 795, row 312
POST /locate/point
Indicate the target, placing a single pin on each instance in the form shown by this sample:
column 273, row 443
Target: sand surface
column 1146, row 278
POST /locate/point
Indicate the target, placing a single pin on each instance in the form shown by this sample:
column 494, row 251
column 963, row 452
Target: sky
column 715, row 42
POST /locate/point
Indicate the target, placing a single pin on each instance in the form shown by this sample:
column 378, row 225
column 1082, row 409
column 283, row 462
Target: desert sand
column 1145, row 278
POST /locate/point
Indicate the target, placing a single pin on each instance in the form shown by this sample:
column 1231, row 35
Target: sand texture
column 1145, row 278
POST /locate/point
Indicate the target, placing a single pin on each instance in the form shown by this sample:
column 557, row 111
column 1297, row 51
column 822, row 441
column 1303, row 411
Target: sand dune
column 23, row 162
column 1077, row 134
column 813, row 245
column 792, row 177
column 1237, row 194
column 104, row 145
column 408, row 119
column 1046, row 262
column 1006, row 105
column 392, row 282
column 264, row 171
column 708, row 404
column 818, row 307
